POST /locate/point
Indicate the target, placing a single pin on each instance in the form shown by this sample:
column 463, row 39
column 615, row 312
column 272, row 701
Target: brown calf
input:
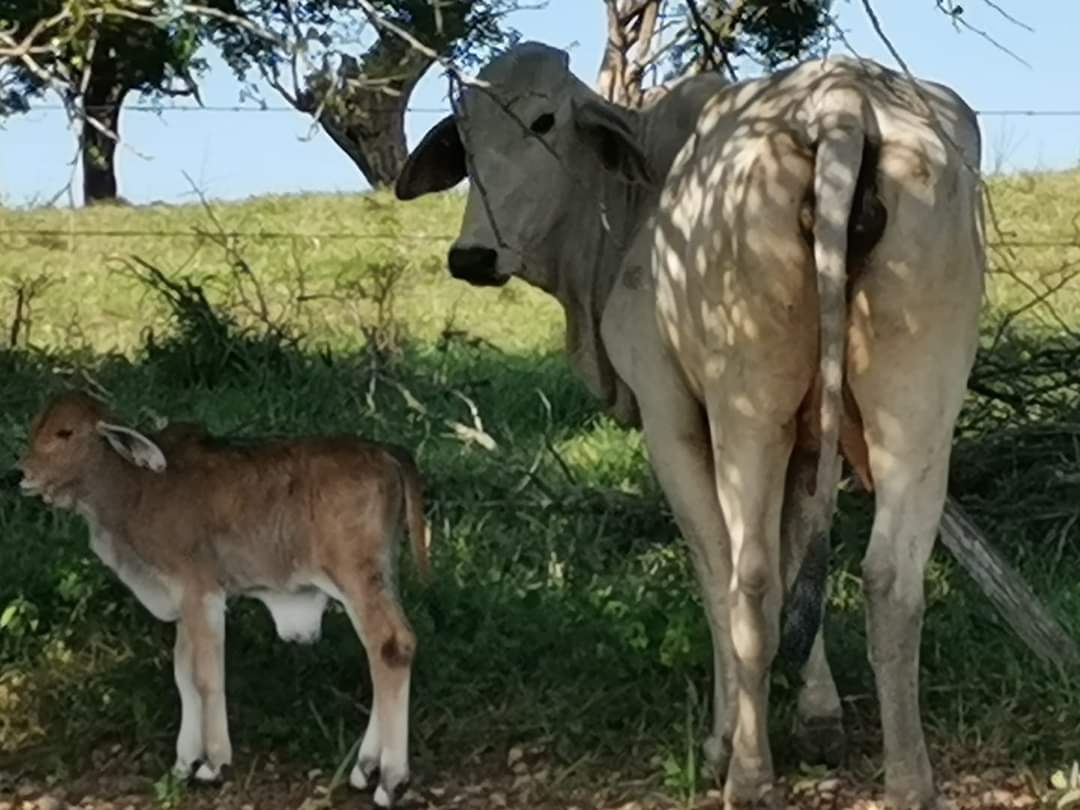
column 186, row 519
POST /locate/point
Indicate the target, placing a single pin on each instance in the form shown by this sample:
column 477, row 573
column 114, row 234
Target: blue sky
column 236, row 155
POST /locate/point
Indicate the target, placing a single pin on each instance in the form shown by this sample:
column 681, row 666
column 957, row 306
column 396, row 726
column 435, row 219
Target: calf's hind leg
column 390, row 645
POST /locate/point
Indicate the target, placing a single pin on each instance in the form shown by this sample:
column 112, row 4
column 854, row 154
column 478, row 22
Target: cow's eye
column 63, row 433
column 543, row 123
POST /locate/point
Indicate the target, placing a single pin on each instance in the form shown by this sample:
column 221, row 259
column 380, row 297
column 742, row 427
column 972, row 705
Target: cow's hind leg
column 390, row 645
column 677, row 437
column 910, row 404
column 819, row 734
column 751, row 457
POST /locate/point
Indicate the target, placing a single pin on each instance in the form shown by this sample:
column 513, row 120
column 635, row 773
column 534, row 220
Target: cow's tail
column 848, row 220
column 415, row 522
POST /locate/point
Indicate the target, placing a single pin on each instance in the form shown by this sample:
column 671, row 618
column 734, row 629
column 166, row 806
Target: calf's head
column 69, row 446
column 533, row 141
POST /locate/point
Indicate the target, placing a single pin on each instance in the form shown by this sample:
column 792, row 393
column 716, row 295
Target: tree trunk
column 363, row 107
column 632, row 25
column 101, row 104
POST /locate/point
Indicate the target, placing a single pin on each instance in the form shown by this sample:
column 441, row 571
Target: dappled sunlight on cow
column 764, row 277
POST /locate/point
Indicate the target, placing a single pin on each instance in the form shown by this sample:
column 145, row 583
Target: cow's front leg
column 677, row 439
column 805, row 547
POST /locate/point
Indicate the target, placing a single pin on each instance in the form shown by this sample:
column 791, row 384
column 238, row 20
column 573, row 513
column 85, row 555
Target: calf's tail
column 415, row 522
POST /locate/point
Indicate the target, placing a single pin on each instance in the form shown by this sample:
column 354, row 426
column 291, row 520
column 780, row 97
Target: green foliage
column 765, row 32
column 464, row 30
column 150, row 51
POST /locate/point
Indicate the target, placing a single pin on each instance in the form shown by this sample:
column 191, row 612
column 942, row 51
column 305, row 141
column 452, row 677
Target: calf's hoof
column 821, row 741
column 209, row 774
column 389, row 792
column 362, row 773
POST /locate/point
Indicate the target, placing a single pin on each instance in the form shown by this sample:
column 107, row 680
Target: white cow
column 754, row 273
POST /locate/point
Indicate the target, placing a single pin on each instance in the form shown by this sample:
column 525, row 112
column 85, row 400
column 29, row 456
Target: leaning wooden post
column 1003, row 585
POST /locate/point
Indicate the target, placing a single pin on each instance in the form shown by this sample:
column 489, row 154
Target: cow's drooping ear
column 436, row 164
column 609, row 131
column 133, row 446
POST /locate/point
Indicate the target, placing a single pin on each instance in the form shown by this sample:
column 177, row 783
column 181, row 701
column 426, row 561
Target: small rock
column 497, row 800
column 520, row 781
column 541, row 775
column 247, row 807
column 1024, row 800
column 996, row 798
column 829, row 785
column 50, row 803
column 514, row 756
column 26, row 789
column 437, row 792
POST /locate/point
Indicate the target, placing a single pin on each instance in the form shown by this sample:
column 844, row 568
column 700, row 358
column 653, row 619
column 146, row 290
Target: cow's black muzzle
column 476, row 265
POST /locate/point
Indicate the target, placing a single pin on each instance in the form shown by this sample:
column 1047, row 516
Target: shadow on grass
column 562, row 610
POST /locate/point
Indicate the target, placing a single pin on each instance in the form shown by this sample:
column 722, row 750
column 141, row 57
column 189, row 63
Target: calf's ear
column 436, row 164
column 610, row 132
column 132, row 446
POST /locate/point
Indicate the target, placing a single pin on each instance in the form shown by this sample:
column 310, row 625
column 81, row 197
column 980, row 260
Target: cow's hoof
column 717, row 752
column 821, row 741
column 762, row 797
column 914, row 800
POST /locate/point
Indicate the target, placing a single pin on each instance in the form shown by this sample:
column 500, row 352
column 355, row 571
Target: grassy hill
column 563, row 613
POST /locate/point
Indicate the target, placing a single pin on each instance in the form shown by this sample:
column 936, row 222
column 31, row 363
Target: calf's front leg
column 189, row 742
column 203, row 616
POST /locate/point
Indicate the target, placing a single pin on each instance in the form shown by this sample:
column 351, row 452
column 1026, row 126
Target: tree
column 93, row 54
column 668, row 39
column 302, row 49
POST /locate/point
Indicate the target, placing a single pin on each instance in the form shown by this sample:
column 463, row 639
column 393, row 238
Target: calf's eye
column 63, row 433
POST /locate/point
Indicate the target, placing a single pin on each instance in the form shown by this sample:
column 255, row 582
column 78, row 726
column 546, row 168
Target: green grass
column 562, row 608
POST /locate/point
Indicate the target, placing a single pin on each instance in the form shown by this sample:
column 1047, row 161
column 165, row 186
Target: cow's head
column 529, row 136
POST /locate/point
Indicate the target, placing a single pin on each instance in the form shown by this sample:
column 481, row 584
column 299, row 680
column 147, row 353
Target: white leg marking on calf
column 206, row 773
column 394, row 758
column 297, row 615
column 189, row 742
column 215, row 715
column 367, row 760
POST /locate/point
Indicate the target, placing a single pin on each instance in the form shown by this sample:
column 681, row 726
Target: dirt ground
column 516, row 783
